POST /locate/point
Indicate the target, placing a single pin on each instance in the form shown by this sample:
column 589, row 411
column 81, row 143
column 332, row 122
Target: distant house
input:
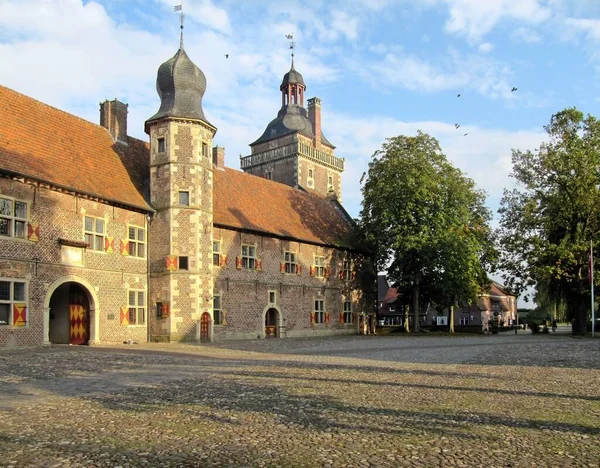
column 392, row 307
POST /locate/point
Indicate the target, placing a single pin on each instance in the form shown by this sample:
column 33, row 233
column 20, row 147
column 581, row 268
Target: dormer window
column 161, row 145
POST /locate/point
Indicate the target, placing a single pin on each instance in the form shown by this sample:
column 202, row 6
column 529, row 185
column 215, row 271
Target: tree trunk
column 406, row 320
column 451, row 318
column 578, row 309
column 416, row 305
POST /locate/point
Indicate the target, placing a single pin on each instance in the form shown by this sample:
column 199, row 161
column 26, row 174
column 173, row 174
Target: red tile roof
column 46, row 144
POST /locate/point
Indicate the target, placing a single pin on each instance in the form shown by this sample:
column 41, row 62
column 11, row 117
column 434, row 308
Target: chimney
column 219, row 157
column 314, row 115
column 113, row 116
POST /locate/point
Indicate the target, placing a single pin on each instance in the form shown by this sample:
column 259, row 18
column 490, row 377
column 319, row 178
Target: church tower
column 181, row 192
column 293, row 150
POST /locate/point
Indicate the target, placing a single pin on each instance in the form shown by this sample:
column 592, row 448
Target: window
column 311, row 173
column 320, row 267
column 217, row 253
column 137, row 307
column 161, row 145
column 290, row 262
column 159, row 309
column 204, row 149
column 217, row 311
column 347, row 312
column 94, row 233
column 184, row 198
column 269, row 175
column 11, row 293
column 183, row 263
column 330, row 181
column 272, row 297
column 463, row 320
column 13, row 218
column 249, row 257
column 392, row 309
column 347, row 270
column 137, row 241
column 319, row 310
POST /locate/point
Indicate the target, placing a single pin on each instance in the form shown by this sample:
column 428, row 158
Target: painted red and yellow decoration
column 124, row 316
column 164, row 310
column 312, row 318
column 77, row 324
column 223, row 260
column 326, row 318
column 33, row 232
column 341, row 318
column 172, row 262
column 19, row 315
column 109, row 244
column 124, row 247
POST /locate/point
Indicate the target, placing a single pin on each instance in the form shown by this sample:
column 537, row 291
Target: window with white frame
column 217, row 310
column 290, row 262
column 217, row 253
column 320, row 267
column 392, row 308
column 319, row 311
column 347, row 270
column 94, row 233
column 13, row 218
column 248, row 257
column 137, row 307
column 463, row 320
column 137, row 241
column 272, row 297
column 11, row 292
column 347, row 311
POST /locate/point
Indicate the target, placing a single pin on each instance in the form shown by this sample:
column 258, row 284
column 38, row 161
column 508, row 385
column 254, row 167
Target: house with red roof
column 106, row 238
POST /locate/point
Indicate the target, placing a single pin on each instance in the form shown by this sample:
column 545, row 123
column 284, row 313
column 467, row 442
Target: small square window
column 183, row 263
column 271, row 297
column 217, row 311
column 204, row 149
column 161, row 145
column 184, row 198
column 310, row 173
column 217, row 253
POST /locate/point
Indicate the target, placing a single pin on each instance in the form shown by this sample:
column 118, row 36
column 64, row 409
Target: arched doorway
column 205, row 328
column 271, row 329
column 69, row 315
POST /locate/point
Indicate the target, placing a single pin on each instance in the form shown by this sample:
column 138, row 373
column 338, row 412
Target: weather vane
column 290, row 37
column 179, row 8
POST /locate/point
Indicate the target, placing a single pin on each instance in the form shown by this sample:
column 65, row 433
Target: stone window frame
column 179, row 194
column 319, row 267
column 161, row 144
column 217, row 253
column 291, row 267
column 319, row 311
column 13, row 219
column 11, row 301
column 330, row 184
column 310, row 179
column 137, row 243
column 248, row 261
column 348, row 315
column 95, row 235
column 347, row 269
column 136, row 307
column 204, row 149
column 218, row 311
column 272, row 293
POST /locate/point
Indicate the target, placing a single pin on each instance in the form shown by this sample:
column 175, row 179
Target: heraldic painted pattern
column 78, row 325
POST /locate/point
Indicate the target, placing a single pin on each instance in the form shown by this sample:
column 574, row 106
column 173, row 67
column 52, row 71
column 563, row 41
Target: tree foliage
column 548, row 220
column 427, row 223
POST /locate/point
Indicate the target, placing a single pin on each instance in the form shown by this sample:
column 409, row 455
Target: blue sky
column 381, row 67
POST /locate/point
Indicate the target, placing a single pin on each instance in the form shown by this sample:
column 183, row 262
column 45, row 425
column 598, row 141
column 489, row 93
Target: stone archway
column 82, row 293
column 272, row 322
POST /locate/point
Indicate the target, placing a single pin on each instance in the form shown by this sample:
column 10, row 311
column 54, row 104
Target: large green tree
column 427, row 223
column 549, row 219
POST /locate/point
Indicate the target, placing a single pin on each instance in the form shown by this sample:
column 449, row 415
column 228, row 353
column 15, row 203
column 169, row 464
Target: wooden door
column 271, row 324
column 204, row 327
column 78, row 325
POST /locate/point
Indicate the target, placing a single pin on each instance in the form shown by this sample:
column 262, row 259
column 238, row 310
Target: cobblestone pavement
column 493, row 401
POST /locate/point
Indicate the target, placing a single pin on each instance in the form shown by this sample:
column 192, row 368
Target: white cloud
column 590, row 27
column 345, row 24
column 486, row 48
column 204, row 12
column 526, row 35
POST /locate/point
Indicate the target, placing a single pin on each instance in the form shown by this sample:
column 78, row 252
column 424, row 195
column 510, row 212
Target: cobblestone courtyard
column 494, row 401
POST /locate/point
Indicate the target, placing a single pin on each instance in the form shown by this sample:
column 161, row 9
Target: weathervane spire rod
column 179, row 8
column 290, row 37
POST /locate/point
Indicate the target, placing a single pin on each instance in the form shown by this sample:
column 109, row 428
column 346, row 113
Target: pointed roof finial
column 179, row 8
column 290, row 37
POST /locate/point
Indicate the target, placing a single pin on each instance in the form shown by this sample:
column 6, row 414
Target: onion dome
column 180, row 85
column 292, row 77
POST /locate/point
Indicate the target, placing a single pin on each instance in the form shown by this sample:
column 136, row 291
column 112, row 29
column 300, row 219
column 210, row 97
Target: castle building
column 106, row 238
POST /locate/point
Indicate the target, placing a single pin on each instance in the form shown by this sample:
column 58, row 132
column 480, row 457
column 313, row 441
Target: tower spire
column 290, row 37
column 179, row 8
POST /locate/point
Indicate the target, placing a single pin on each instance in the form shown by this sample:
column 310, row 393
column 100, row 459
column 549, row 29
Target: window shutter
column 223, row 317
column 258, row 264
column 172, row 262
column 312, row 318
column 165, row 310
column 282, row 267
column 327, row 272
column 327, row 317
column 238, row 262
column 19, row 315
column 124, row 316
column 223, row 260
column 353, row 275
column 341, row 318
column 299, row 269
column 312, row 270
column 341, row 274
column 33, row 232
column 109, row 244
column 124, row 247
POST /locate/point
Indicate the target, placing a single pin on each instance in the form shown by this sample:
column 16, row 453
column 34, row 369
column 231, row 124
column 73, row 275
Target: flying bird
column 456, row 125
column 465, row 134
column 226, row 56
column 458, row 95
column 513, row 89
column 362, row 177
